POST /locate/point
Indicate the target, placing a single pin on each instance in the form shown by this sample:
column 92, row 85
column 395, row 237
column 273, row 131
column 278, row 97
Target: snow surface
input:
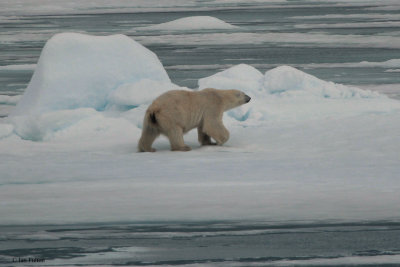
column 302, row 149
column 192, row 23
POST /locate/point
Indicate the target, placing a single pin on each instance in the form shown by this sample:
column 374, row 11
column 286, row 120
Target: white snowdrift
column 192, row 23
column 78, row 76
column 286, row 79
column 302, row 149
column 283, row 80
column 242, row 76
column 80, row 71
column 131, row 95
column 287, row 94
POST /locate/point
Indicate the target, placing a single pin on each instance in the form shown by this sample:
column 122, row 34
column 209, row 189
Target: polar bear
column 176, row 112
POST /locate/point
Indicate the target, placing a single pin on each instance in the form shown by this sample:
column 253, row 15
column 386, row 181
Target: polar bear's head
column 234, row 98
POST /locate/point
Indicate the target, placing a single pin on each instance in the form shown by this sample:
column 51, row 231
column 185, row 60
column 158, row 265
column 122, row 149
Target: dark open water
column 204, row 244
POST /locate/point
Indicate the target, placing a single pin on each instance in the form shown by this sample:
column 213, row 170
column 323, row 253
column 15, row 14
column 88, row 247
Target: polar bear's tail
column 152, row 117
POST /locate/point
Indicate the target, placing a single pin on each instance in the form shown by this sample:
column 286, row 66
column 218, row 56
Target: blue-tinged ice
column 288, row 94
column 285, row 79
column 79, row 76
column 81, row 71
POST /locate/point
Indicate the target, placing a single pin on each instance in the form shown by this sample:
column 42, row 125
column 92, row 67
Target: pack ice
column 192, row 23
column 302, row 149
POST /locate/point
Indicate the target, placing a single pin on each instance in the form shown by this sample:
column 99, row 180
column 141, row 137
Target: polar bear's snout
column 247, row 98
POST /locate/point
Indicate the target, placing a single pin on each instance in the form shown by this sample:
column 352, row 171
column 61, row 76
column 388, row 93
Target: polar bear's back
column 181, row 107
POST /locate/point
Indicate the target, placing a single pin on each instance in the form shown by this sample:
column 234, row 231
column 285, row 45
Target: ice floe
column 302, row 149
column 192, row 23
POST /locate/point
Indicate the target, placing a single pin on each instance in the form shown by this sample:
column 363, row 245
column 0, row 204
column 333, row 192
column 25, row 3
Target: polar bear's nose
column 247, row 98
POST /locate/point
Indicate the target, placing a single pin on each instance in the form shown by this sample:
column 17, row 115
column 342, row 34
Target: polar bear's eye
column 237, row 94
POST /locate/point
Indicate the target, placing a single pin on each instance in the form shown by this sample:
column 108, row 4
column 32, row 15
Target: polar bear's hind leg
column 175, row 136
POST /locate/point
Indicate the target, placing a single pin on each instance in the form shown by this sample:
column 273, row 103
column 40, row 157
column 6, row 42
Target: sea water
column 203, row 244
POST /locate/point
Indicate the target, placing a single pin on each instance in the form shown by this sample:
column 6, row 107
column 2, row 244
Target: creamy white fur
column 176, row 112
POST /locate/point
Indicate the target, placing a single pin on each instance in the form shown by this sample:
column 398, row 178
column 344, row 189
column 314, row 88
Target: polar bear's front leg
column 214, row 128
column 218, row 132
column 204, row 139
column 175, row 137
column 220, row 135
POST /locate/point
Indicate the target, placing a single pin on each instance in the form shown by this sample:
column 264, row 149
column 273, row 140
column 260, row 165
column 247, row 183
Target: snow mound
column 45, row 126
column 192, row 23
column 132, row 95
column 285, row 93
column 285, row 79
column 81, row 71
column 88, row 81
column 242, row 76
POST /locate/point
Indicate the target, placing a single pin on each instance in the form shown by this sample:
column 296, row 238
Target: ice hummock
column 242, row 76
column 81, row 71
column 286, row 79
column 192, row 23
column 288, row 94
column 283, row 80
column 79, row 75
